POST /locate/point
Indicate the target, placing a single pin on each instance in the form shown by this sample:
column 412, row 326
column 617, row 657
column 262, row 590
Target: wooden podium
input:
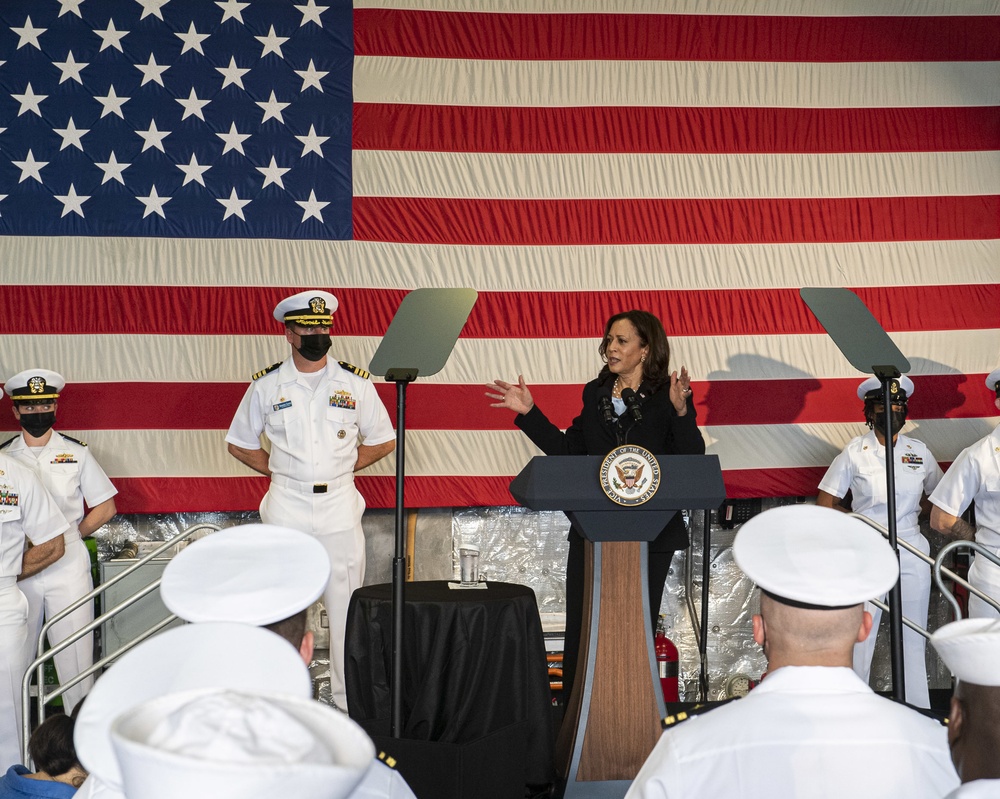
column 613, row 716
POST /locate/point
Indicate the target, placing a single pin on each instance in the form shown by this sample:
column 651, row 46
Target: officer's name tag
column 282, row 405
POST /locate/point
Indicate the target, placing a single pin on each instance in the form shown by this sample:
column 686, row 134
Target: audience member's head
column 815, row 568
column 222, row 744
column 971, row 649
column 259, row 574
column 192, row 657
column 51, row 749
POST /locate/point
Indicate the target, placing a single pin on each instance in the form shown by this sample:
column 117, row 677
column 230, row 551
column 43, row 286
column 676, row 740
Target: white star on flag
column 2, row 198
column 311, row 12
column 30, row 101
column 110, row 37
column 234, row 206
column 112, row 169
column 192, row 106
column 70, row 69
column 311, row 142
column 70, row 7
column 72, row 202
column 152, row 8
column 232, row 73
column 312, row 206
column 30, row 168
column 311, row 77
column 234, row 140
column 272, row 173
column 193, row 171
column 71, row 136
column 153, row 202
column 272, row 109
column 151, row 71
column 112, row 103
column 192, row 40
column 232, row 9
column 153, row 137
column 28, row 35
column 272, row 43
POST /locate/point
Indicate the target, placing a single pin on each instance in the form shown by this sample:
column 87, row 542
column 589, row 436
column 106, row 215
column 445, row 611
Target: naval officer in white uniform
column 85, row 495
column 971, row 649
column 27, row 513
column 974, row 476
column 811, row 728
column 324, row 422
column 860, row 470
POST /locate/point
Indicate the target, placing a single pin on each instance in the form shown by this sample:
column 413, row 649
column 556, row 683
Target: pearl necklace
column 616, row 389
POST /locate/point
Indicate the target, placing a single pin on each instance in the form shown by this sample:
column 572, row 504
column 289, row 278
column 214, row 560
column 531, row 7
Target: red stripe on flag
column 681, row 37
column 243, row 311
column 435, row 406
column 191, row 494
column 383, row 126
column 721, row 221
column 215, row 494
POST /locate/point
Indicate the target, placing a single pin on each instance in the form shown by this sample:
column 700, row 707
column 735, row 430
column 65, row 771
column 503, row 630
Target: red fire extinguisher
column 666, row 662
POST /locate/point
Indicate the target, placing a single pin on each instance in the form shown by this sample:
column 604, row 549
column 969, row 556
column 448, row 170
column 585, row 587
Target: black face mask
column 898, row 420
column 315, row 346
column 37, row 424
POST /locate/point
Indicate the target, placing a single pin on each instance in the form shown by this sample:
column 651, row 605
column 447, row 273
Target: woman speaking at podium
column 634, row 399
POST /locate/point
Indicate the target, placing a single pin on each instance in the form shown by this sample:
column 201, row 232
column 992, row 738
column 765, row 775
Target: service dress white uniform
column 974, row 476
column 26, row 512
column 805, row 731
column 977, row 789
column 860, row 468
column 72, row 476
column 314, row 423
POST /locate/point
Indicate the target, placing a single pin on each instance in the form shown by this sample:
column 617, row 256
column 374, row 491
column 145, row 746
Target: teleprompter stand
column 867, row 346
column 418, row 342
column 613, row 716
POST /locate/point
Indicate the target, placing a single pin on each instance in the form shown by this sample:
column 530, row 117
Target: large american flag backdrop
column 169, row 169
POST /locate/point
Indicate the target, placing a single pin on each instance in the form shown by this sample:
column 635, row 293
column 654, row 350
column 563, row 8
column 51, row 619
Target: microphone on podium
column 631, row 400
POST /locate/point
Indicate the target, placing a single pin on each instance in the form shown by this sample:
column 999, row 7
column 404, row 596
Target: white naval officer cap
column 35, row 384
column 993, row 381
column 902, row 383
column 312, row 308
column 244, row 745
column 253, row 574
column 971, row 649
column 813, row 557
column 192, row 657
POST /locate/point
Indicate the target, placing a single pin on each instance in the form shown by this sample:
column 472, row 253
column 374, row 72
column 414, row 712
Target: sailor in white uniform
column 971, row 649
column 974, row 476
column 85, row 495
column 860, row 470
column 27, row 514
column 811, row 728
column 324, row 422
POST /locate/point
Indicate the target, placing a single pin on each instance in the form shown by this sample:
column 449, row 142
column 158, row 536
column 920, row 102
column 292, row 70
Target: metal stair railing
column 36, row 667
column 937, row 565
column 946, row 550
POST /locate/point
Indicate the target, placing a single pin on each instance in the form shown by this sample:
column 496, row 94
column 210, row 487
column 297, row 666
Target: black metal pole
column 703, row 640
column 398, row 571
column 895, row 596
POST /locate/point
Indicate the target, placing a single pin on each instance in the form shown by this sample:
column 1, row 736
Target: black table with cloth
column 474, row 662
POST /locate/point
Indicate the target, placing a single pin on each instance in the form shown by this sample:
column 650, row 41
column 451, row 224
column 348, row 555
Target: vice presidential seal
column 630, row 475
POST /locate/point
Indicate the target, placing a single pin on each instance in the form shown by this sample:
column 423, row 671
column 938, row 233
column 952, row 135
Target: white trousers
column 985, row 576
column 915, row 588
column 334, row 519
column 49, row 592
column 13, row 626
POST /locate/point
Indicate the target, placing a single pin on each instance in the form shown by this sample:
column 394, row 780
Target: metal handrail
column 38, row 664
column 937, row 565
column 946, row 550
